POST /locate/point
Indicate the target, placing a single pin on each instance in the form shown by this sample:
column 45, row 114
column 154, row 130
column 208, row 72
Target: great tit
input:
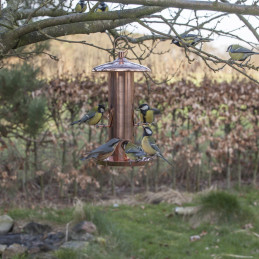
column 102, row 7
column 93, row 116
column 103, row 151
column 133, row 152
column 149, row 144
column 147, row 113
column 239, row 53
column 80, row 6
column 189, row 40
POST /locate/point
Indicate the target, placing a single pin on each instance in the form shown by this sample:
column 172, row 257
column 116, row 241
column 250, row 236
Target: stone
column 14, row 250
column 82, row 236
column 34, row 228
column 84, row 227
column 2, row 248
column 6, row 224
column 76, row 245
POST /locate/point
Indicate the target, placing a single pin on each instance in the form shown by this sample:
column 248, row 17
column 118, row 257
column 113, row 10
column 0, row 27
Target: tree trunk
column 256, row 168
column 239, row 175
column 26, row 168
column 228, row 171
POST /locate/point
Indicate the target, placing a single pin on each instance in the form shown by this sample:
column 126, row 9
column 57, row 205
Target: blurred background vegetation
column 208, row 127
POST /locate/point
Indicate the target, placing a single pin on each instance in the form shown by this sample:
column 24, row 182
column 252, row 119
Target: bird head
column 229, row 48
column 124, row 144
column 101, row 108
column 143, row 107
column 147, row 131
column 102, row 4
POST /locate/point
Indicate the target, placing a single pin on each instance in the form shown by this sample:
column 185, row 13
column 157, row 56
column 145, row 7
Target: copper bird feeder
column 121, row 105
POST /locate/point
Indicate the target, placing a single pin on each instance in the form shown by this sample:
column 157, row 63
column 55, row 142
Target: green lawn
column 154, row 232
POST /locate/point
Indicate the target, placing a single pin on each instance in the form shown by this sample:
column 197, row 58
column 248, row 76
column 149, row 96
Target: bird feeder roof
column 121, row 64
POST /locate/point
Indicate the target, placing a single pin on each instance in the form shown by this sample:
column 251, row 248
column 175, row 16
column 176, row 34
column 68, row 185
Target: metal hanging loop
column 121, row 53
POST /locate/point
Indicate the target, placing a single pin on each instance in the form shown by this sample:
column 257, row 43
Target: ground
column 138, row 230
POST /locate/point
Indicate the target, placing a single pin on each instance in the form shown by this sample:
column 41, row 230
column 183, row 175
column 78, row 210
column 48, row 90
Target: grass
column 154, row 232
column 225, row 207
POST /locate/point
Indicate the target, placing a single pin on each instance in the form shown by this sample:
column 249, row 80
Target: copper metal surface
column 121, row 102
column 121, row 64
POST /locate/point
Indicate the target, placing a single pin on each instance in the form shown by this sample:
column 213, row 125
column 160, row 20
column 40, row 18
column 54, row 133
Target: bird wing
column 153, row 144
column 135, row 149
column 241, row 50
column 98, row 151
column 88, row 116
column 85, row 118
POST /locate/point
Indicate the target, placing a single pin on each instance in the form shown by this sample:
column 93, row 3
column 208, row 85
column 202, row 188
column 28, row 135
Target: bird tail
column 160, row 155
column 75, row 122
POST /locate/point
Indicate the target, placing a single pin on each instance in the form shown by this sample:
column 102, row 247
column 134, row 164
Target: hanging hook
column 121, row 53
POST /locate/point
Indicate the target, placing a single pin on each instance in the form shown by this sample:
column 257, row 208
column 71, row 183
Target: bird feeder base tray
column 124, row 163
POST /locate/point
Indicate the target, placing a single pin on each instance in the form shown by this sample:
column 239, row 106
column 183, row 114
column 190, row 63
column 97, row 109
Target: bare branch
column 196, row 5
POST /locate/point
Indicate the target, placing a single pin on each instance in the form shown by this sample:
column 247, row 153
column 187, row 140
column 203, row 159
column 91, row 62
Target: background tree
column 22, row 112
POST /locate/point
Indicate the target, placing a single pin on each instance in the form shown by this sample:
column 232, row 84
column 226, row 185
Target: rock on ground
column 14, row 250
column 6, row 223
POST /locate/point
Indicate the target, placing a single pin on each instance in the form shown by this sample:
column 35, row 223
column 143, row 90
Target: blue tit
column 93, row 116
column 147, row 113
column 80, row 6
column 149, row 144
column 132, row 151
column 103, row 151
column 239, row 53
column 102, row 7
column 189, row 40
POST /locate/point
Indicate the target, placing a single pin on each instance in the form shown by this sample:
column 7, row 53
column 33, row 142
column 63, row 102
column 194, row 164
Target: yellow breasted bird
column 147, row 113
column 102, row 7
column 149, row 145
column 93, row 116
column 239, row 53
column 189, row 40
column 80, row 6
column 133, row 152
column 103, row 151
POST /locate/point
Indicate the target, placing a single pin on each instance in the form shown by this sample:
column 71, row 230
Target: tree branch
column 249, row 26
column 25, row 13
column 196, row 5
column 69, row 29
column 75, row 18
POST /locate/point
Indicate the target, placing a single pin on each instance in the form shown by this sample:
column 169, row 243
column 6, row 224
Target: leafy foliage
column 19, row 105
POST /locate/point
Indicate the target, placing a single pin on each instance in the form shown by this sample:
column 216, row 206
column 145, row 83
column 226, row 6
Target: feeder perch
column 121, row 105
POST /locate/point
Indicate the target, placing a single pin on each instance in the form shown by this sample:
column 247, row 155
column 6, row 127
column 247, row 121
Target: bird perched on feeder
column 147, row 113
column 102, row 7
column 93, row 116
column 103, row 151
column 80, row 6
column 189, row 40
column 239, row 53
column 133, row 152
column 149, row 144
